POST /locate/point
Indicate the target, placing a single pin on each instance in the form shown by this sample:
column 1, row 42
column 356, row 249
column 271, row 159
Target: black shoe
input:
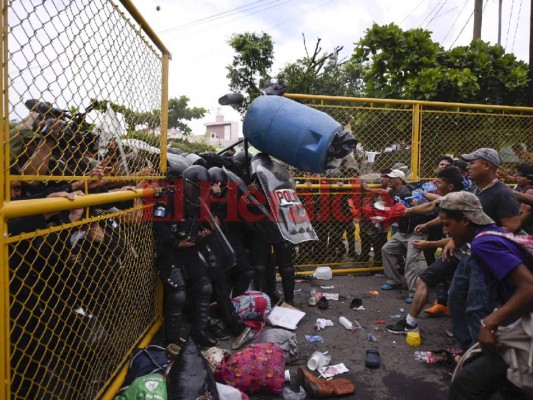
column 401, row 327
column 237, row 327
column 204, row 338
column 216, row 330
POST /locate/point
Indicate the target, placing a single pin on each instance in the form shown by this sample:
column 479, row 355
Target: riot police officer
column 180, row 262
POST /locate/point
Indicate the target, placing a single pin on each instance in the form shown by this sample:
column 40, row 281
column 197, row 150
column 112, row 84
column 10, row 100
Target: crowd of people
column 487, row 275
column 484, row 279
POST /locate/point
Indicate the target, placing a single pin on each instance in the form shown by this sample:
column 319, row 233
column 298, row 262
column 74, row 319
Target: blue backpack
column 150, row 360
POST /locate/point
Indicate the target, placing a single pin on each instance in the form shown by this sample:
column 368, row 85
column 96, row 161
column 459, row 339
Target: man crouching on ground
column 508, row 271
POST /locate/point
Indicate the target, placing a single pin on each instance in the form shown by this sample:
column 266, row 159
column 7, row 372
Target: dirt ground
column 400, row 376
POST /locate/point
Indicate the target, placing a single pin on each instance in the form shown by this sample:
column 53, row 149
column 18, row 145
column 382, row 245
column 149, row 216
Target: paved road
column 400, row 376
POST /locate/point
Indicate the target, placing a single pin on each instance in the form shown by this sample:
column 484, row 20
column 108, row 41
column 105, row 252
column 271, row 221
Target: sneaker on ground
column 401, row 327
column 437, row 310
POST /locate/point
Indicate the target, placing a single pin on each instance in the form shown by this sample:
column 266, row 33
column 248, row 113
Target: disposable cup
column 318, row 360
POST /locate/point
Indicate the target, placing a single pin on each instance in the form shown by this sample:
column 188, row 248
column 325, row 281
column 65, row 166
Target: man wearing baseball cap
column 469, row 299
column 508, row 272
column 402, row 242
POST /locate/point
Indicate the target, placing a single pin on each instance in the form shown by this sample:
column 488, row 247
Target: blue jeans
column 470, row 300
column 481, row 378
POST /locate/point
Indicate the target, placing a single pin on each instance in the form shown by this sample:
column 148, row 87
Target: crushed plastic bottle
column 316, row 295
column 430, row 357
column 346, row 323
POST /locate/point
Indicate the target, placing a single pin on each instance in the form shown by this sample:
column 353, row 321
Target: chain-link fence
column 406, row 135
column 84, row 94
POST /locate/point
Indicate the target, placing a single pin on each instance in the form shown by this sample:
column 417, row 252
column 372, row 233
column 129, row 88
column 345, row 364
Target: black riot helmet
column 239, row 160
column 218, row 175
column 193, row 178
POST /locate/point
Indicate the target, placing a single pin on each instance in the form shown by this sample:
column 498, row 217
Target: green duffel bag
column 147, row 387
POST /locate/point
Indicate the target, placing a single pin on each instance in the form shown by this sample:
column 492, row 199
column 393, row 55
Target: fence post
column 5, row 358
column 164, row 113
column 416, row 141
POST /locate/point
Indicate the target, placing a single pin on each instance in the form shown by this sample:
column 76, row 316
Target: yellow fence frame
column 9, row 209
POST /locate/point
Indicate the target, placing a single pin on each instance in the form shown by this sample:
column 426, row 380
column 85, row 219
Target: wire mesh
column 84, row 87
column 84, row 102
column 398, row 135
column 81, row 294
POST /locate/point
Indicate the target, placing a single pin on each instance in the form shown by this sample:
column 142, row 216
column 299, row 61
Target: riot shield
column 215, row 249
column 286, row 208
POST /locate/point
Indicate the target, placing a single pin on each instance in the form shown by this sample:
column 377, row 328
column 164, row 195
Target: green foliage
column 191, row 147
column 145, row 136
column 409, row 65
column 251, row 65
column 179, row 111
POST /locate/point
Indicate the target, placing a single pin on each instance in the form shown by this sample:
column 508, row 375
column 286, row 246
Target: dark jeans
column 483, row 377
column 470, row 300
column 371, row 236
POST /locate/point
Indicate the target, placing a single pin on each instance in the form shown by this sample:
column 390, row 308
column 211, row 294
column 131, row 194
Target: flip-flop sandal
column 373, row 359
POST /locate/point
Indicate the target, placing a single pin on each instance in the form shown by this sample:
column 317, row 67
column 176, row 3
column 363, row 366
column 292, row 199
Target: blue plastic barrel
column 290, row 131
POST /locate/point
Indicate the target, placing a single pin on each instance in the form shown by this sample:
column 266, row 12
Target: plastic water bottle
column 345, row 322
column 316, row 295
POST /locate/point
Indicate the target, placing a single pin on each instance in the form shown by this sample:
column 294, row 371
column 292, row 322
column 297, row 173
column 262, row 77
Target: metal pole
column 478, row 15
column 530, row 85
column 500, row 22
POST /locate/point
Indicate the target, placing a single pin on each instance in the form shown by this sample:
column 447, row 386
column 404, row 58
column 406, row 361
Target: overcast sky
column 197, row 31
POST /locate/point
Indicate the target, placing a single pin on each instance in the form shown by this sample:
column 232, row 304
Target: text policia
column 239, row 205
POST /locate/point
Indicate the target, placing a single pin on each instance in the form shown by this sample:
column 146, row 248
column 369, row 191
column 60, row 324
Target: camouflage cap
column 485, row 153
column 469, row 204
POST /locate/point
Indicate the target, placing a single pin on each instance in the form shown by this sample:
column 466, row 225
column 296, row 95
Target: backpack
column 252, row 305
column 258, row 368
column 524, row 242
column 150, row 360
column 151, row 386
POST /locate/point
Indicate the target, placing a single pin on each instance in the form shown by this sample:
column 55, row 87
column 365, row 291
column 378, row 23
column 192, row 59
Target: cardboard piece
column 285, row 317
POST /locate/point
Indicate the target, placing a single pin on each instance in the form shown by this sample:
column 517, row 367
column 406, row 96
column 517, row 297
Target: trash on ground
column 315, row 297
column 323, row 273
column 327, row 287
column 379, row 321
column 378, row 276
column 318, row 360
column 345, row 322
column 413, row 339
column 297, row 292
column 314, row 339
column 332, row 370
column 360, row 308
column 331, row 296
column 372, row 338
column 397, row 316
column 401, row 309
column 356, row 303
column 284, row 339
column 285, row 317
column 430, row 357
column 357, row 326
column 373, row 292
column 289, row 394
column 322, row 323
column 323, row 304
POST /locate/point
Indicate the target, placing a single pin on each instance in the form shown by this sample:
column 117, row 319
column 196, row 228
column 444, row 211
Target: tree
column 410, row 65
column 179, row 111
column 251, row 65
column 322, row 73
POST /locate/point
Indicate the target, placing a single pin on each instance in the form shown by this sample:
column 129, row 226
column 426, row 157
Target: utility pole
column 530, row 85
column 500, row 22
column 478, row 16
